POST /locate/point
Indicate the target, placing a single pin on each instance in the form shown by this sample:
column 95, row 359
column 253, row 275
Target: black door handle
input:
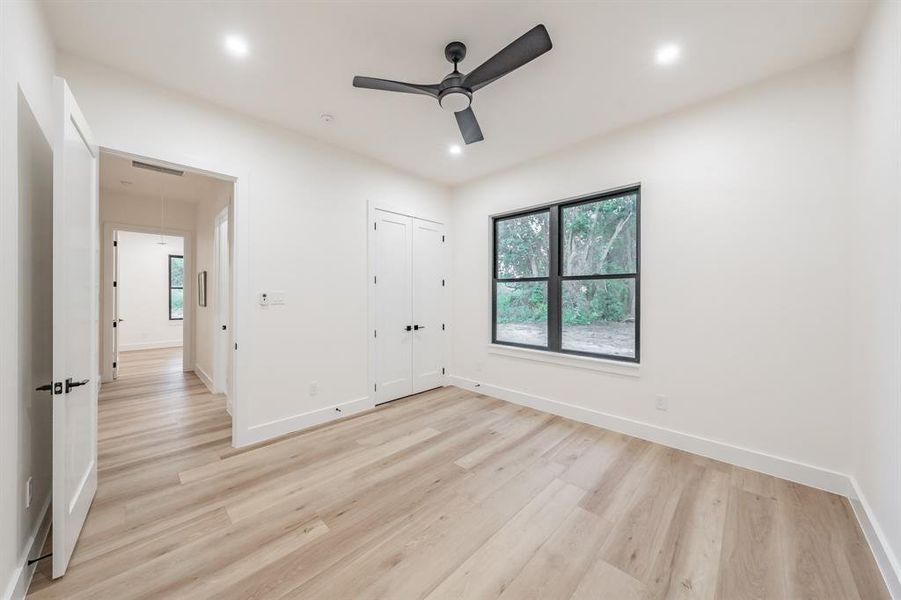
column 224, row 328
column 74, row 384
column 408, row 328
column 44, row 388
column 418, row 327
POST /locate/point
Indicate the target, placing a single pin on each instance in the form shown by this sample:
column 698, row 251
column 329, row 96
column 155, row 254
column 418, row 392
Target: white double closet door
column 409, row 305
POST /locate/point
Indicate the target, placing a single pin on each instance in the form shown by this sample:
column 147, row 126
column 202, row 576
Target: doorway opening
column 166, row 271
column 148, row 301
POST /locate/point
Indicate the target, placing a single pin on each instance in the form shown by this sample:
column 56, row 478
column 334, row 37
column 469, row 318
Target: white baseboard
column 885, row 558
column 149, row 346
column 295, row 423
column 21, row 579
column 205, row 378
column 783, row 468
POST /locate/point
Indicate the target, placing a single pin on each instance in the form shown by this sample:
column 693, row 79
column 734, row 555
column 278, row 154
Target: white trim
column 626, row 369
column 205, row 378
column 150, row 345
column 21, row 577
column 777, row 466
column 299, row 422
column 888, row 563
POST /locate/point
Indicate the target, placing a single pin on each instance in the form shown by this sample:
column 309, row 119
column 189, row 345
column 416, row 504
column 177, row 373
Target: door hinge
column 236, row 345
column 114, row 364
column 375, row 279
column 442, row 370
column 442, row 283
column 375, row 387
column 115, row 284
column 442, row 238
column 375, row 226
column 115, row 324
column 442, row 327
column 375, row 333
column 115, row 243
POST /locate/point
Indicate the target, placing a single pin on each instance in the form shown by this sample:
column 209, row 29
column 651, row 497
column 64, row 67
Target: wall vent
column 142, row 165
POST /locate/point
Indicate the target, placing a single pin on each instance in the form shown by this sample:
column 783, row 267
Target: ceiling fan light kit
column 454, row 93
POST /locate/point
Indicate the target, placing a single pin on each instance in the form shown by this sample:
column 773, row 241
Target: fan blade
column 528, row 47
column 395, row 86
column 469, row 127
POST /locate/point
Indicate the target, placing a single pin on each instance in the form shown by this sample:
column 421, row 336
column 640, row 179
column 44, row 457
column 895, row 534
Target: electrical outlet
column 314, row 388
column 29, row 492
column 662, row 403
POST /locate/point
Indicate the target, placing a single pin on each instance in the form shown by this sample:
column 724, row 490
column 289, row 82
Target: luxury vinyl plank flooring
column 448, row 494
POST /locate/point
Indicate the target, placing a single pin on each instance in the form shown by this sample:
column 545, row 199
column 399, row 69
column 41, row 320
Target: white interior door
column 223, row 336
column 428, row 304
column 393, row 237
column 75, row 324
column 116, row 316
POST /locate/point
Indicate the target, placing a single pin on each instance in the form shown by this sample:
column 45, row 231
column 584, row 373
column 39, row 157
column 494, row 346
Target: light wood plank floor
column 448, row 494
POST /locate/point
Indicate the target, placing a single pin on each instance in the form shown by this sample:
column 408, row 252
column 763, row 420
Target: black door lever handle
column 44, row 388
column 74, row 384
column 408, row 328
column 418, row 327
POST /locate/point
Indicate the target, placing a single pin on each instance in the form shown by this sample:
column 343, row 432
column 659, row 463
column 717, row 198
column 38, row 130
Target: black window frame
column 555, row 278
column 172, row 287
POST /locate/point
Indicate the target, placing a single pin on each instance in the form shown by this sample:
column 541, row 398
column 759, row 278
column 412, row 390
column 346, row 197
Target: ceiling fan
column 455, row 91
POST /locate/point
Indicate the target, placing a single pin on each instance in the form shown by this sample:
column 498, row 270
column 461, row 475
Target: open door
column 75, row 324
column 223, row 301
column 116, row 317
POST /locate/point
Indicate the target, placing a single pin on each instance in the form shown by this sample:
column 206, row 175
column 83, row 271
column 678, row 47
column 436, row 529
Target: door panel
column 116, row 317
column 75, row 325
column 428, row 304
column 393, row 305
column 223, row 335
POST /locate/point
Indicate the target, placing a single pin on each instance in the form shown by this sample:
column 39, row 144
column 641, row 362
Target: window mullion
column 554, row 316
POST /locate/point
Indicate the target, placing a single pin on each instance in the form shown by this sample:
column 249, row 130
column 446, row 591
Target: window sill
column 603, row 365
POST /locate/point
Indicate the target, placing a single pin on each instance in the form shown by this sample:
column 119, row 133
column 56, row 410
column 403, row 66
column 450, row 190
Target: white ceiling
column 600, row 75
column 117, row 174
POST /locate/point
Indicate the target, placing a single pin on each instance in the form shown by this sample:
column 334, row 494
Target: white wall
column 144, row 291
column 26, row 66
column 875, row 311
column 744, row 272
column 305, row 226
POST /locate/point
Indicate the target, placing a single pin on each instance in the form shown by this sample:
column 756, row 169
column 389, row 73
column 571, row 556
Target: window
column 176, row 287
column 566, row 277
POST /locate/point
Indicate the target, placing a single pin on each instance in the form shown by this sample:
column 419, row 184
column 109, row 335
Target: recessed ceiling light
column 236, row 46
column 455, row 150
column 668, row 54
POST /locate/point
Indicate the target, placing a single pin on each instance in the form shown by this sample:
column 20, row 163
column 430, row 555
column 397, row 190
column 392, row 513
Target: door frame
column 371, row 207
column 108, row 301
column 241, row 306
